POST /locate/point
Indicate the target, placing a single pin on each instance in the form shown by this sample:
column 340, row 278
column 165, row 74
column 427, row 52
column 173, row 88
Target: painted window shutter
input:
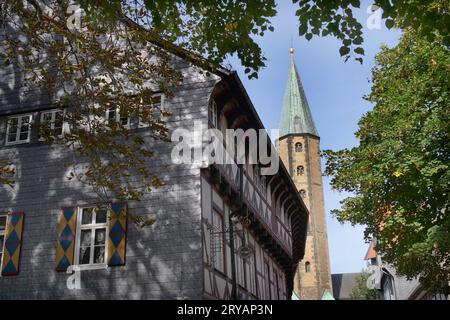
column 66, row 239
column 13, row 243
column 117, row 234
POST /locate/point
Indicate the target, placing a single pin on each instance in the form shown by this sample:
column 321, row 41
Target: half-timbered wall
column 261, row 201
column 258, row 277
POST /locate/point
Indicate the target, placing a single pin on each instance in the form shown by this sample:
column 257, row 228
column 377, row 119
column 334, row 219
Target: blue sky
column 334, row 90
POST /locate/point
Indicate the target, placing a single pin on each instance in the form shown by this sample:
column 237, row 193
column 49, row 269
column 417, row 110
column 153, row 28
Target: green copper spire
column 296, row 116
column 327, row 295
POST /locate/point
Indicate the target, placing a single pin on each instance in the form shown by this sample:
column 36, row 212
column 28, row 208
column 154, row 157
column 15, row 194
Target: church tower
column 299, row 147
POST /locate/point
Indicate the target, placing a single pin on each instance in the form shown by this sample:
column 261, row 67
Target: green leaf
column 355, row 3
column 344, row 51
column 359, row 50
column 389, row 23
column 303, row 29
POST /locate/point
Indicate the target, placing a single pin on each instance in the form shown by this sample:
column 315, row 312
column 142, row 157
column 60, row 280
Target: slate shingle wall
column 163, row 261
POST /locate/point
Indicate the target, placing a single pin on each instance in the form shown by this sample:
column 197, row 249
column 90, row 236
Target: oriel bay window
column 18, row 129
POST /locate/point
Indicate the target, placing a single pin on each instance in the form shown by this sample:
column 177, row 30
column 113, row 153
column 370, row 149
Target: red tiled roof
column 371, row 253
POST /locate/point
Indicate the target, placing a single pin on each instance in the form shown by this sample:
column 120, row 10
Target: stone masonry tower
column 299, row 147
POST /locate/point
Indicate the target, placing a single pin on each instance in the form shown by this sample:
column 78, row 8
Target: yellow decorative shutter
column 117, row 234
column 13, row 244
column 66, row 239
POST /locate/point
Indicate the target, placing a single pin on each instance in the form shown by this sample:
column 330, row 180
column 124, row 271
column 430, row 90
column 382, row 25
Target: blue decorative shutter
column 66, row 239
column 117, row 234
column 13, row 244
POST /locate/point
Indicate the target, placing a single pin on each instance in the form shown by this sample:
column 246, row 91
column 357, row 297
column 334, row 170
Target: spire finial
column 291, row 50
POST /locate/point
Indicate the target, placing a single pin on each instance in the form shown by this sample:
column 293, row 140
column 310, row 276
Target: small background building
column 343, row 284
column 392, row 286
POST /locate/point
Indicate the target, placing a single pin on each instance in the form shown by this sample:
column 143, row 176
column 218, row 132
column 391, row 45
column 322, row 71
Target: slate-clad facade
column 170, row 259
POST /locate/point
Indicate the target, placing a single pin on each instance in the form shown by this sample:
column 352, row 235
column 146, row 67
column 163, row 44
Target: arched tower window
column 300, row 170
column 298, row 147
column 307, row 266
column 302, row 193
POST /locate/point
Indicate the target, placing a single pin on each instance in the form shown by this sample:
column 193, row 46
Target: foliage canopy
column 217, row 28
column 361, row 291
column 400, row 173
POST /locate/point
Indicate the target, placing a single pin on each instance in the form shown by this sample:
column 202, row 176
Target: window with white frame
column 2, row 235
column 18, row 129
column 212, row 114
column 219, row 258
column 92, row 233
column 113, row 114
column 156, row 107
column 53, row 120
